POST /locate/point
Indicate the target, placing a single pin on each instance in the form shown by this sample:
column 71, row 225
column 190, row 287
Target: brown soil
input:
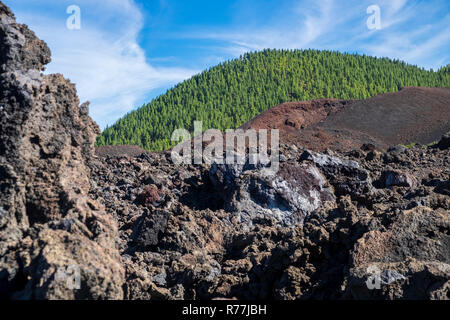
column 414, row 114
column 118, row 151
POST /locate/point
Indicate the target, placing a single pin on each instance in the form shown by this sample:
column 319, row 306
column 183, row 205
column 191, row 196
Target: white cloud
column 299, row 27
column 409, row 30
column 110, row 69
column 104, row 59
column 424, row 43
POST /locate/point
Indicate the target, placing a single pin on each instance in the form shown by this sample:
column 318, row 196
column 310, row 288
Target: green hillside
column 234, row 92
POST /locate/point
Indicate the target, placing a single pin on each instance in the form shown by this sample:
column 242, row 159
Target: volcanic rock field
column 351, row 206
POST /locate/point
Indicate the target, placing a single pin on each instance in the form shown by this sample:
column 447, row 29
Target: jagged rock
column 150, row 227
column 346, row 176
column 57, row 257
column 46, row 140
column 21, row 49
column 389, row 276
column 397, row 149
column 257, row 194
column 368, row 147
column 443, row 188
column 208, row 250
column 150, row 195
column 131, row 224
column 383, row 251
column 397, row 178
column 422, row 225
column 418, row 280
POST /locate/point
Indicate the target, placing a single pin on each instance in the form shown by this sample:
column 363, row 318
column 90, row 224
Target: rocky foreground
column 363, row 224
column 320, row 228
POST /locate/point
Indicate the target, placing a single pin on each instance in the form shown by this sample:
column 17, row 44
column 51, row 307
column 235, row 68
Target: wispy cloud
column 116, row 74
column 301, row 26
column 416, row 32
column 411, row 30
column 104, row 58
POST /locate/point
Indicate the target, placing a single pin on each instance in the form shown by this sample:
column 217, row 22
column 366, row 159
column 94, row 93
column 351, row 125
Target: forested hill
column 233, row 92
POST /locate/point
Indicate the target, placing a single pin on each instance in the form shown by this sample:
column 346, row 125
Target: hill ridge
column 233, row 92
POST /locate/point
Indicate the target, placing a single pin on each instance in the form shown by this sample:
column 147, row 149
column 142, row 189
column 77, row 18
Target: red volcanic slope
column 414, row 114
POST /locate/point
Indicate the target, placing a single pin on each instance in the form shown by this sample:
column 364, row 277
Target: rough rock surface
column 285, row 196
column 444, row 143
column 362, row 224
column 47, row 222
column 227, row 231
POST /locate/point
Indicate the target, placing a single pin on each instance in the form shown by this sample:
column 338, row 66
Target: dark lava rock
column 49, row 227
column 242, row 231
column 150, row 195
column 260, row 194
column 397, row 178
column 346, row 176
column 444, row 143
column 150, row 227
column 133, row 225
column 443, row 188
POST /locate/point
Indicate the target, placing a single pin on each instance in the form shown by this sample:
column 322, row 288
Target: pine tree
column 234, row 92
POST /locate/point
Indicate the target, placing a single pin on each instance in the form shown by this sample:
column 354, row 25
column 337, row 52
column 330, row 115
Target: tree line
column 233, row 92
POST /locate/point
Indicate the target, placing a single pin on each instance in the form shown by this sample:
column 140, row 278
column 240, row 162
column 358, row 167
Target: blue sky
column 129, row 51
